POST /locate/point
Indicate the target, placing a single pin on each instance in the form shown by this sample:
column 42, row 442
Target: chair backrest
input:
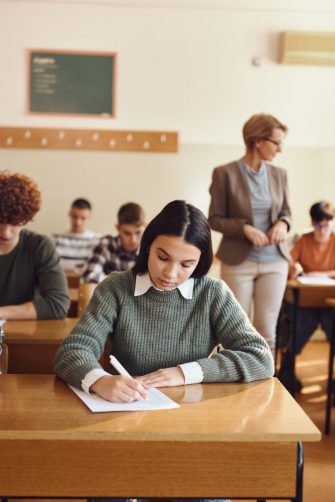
column 85, row 293
column 73, row 280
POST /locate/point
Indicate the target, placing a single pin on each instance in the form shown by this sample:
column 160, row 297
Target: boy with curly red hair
column 32, row 283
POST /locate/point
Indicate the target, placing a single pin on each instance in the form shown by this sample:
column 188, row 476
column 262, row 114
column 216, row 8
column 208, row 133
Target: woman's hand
column 166, row 377
column 277, row 233
column 255, row 236
column 119, row 389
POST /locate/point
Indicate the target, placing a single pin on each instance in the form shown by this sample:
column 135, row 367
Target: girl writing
column 164, row 318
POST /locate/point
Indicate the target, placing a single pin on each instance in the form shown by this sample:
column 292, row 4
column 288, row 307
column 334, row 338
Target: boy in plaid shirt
column 117, row 253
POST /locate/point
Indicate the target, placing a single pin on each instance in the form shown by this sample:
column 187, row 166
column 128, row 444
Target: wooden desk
column 226, row 440
column 308, row 295
column 304, row 296
column 32, row 344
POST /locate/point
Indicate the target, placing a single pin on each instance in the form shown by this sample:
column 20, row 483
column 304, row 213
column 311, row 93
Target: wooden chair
column 85, row 292
column 73, row 280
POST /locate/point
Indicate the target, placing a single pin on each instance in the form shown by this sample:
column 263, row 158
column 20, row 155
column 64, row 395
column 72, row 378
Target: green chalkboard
column 73, row 83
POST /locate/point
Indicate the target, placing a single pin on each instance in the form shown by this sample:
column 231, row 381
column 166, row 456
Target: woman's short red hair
column 20, row 198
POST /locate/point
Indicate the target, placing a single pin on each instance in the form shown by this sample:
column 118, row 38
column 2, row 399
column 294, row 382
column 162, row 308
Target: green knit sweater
column 163, row 329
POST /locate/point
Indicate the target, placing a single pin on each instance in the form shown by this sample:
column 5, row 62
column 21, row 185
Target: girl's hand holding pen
column 120, row 389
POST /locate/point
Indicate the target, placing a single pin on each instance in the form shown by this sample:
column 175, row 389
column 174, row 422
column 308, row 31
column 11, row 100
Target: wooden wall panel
column 88, row 139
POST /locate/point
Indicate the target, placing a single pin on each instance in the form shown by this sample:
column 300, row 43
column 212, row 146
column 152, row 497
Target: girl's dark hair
column 321, row 211
column 181, row 220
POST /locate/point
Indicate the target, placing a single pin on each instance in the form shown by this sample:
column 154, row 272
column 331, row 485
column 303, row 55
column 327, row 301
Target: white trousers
column 259, row 288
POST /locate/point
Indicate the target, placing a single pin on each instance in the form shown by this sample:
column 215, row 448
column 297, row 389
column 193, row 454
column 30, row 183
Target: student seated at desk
column 115, row 254
column 164, row 318
column 32, row 283
column 312, row 255
column 75, row 246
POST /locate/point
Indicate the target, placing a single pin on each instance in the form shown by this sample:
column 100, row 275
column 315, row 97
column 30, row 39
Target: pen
column 118, row 366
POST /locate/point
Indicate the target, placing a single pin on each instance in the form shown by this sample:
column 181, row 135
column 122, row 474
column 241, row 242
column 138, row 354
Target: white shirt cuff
column 92, row 377
column 192, row 372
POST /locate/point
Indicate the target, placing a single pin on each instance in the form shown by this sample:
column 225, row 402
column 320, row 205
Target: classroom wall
column 184, row 66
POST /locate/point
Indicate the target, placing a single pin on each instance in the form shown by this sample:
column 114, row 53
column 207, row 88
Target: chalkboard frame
column 78, row 103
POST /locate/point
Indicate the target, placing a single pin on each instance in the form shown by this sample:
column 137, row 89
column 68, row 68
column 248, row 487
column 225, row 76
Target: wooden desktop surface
column 32, row 344
column 309, row 295
column 234, row 440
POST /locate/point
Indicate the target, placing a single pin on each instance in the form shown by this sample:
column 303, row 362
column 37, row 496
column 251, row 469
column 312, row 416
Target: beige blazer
column 230, row 209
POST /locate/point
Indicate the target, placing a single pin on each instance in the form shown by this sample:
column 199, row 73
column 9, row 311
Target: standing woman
column 249, row 206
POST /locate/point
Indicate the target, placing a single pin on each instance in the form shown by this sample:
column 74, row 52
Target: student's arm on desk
column 245, row 356
column 23, row 311
column 165, row 377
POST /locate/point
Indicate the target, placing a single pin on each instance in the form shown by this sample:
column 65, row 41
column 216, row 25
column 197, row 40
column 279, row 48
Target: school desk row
column 44, row 337
column 33, row 344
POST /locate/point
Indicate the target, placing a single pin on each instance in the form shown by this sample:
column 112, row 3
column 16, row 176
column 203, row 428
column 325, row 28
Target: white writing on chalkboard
column 44, row 60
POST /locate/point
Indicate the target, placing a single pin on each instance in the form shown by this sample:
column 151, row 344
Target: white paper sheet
column 317, row 280
column 156, row 401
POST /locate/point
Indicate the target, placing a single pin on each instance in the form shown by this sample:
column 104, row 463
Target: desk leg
column 294, row 339
column 300, row 472
column 330, row 376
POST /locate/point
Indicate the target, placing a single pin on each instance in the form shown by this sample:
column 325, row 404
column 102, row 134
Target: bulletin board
column 71, row 82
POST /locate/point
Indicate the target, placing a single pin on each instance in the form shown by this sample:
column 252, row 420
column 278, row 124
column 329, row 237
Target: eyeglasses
column 278, row 144
column 323, row 226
